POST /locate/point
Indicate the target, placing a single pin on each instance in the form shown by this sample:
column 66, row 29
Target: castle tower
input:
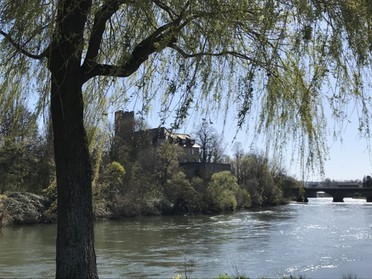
column 124, row 124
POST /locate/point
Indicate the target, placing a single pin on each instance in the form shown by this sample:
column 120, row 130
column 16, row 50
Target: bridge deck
column 338, row 193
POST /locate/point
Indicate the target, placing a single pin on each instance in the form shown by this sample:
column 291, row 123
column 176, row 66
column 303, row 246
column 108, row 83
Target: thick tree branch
column 90, row 66
column 20, row 48
column 99, row 25
column 140, row 54
column 164, row 36
column 161, row 38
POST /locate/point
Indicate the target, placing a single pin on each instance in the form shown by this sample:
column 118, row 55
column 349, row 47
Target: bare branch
column 91, row 67
column 153, row 43
column 20, row 48
column 169, row 11
column 100, row 20
column 216, row 54
column 139, row 55
column 164, row 36
column 164, row 7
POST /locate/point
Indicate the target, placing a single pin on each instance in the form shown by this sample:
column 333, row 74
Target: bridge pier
column 304, row 199
column 338, row 199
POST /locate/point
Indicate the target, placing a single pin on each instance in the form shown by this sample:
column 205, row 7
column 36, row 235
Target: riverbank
column 25, row 208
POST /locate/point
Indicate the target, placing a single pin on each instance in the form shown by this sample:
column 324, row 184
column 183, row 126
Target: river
column 319, row 239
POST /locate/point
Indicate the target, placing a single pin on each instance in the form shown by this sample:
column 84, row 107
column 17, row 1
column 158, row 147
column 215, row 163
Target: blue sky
column 348, row 158
column 351, row 158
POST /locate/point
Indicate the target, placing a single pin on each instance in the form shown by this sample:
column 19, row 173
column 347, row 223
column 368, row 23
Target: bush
column 243, row 198
column 221, row 192
column 113, row 175
column 182, row 195
column 5, row 219
column 23, row 208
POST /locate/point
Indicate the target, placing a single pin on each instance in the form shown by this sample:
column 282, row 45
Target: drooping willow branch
column 21, row 49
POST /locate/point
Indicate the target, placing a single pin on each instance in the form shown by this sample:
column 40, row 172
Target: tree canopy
column 278, row 62
column 284, row 59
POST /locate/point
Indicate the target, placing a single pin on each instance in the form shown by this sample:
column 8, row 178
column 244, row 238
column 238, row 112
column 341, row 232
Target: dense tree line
column 26, row 157
column 135, row 177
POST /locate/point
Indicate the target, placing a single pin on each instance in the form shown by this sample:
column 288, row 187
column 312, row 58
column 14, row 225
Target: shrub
column 22, row 208
column 181, row 193
column 221, row 191
column 243, row 198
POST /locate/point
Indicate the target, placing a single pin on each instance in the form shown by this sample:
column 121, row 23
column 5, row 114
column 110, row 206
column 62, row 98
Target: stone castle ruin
column 189, row 159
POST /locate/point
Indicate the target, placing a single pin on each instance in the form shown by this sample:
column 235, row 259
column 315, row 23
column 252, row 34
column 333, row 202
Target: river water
column 319, row 239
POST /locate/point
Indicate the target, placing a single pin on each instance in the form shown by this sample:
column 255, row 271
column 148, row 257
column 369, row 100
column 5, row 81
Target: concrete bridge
column 339, row 193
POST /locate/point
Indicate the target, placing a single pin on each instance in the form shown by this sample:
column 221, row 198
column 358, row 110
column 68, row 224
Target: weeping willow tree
column 281, row 60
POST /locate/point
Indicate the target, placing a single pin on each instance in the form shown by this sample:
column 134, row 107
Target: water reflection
column 27, row 249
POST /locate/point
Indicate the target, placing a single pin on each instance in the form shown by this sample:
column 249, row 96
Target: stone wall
column 203, row 170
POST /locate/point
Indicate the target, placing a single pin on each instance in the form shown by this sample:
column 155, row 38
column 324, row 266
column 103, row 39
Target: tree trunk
column 75, row 239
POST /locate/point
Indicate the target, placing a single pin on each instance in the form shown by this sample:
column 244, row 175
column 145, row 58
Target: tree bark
column 75, row 238
column 75, row 255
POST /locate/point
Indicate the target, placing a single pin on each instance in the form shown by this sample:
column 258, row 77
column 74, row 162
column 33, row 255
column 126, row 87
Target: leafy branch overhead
column 282, row 57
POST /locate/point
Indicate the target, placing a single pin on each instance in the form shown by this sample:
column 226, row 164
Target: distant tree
column 12, row 169
column 112, row 176
column 165, row 160
column 238, row 155
column 24, row 155
column 367, row 181
column 108, row 184
column 180, row 191
column 327, row 183
column 289, row 186
column 148, row 171
column 211, row 143
column 257, row 178
column 18, row 125
column 221, row 192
